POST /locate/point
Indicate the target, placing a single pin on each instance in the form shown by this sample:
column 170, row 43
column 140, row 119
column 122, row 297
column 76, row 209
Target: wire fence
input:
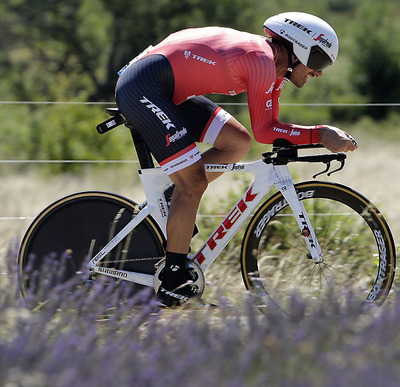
column 67, row 161
column 112, row 103
column 349, row 104
column 24, row 218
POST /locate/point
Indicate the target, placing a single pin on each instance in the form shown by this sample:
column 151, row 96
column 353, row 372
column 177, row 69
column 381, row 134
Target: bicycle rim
column 358, row 249
column 61, row 240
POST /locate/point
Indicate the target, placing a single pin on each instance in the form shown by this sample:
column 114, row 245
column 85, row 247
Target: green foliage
column 71, row 51
column 376, row 69
column 59, row 132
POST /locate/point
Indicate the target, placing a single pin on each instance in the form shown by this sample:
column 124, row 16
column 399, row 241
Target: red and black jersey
column 218, row 60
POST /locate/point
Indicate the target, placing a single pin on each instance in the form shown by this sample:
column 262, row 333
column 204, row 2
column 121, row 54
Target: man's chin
column 299, row 85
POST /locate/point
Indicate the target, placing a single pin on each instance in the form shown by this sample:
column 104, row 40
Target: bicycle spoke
column 301, row 245
column 332, row 269
column 351, row 250
column 330, row 241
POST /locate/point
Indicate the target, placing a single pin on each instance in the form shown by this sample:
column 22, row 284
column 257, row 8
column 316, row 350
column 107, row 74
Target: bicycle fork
column 285, row 184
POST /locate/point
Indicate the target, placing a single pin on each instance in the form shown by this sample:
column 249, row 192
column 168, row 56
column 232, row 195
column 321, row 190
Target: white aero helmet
column 314, row 41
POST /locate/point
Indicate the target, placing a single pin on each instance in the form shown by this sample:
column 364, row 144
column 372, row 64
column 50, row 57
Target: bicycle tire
column 78, row 226
column 359, row 251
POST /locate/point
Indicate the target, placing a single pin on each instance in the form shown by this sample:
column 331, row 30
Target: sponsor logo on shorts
column 158, row 112
column 182, row 161
column 176, row 136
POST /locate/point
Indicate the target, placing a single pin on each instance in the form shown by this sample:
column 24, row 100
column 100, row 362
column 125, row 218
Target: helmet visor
column 318, row 59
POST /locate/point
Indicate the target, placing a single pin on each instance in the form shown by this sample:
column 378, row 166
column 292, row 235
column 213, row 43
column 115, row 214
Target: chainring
column 193, row 271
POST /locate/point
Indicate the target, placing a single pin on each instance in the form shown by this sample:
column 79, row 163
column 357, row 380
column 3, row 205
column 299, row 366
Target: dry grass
column 370, row 170
column 72, row 338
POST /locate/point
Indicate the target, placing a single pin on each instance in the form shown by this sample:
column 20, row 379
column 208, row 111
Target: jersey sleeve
column 263, row 93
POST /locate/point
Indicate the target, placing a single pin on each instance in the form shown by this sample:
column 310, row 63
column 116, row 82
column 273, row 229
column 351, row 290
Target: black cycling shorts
column 144, row 94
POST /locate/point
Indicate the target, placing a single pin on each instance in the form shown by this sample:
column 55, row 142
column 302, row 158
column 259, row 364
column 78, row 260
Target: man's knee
column 244, row 141
column 234, row 139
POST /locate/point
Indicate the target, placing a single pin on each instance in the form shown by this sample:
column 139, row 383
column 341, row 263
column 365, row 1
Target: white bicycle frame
column 154, row 182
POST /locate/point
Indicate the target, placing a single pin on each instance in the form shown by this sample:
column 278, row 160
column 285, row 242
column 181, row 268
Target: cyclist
column 161, row 93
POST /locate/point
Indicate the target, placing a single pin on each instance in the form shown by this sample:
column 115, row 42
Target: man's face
column 301, row 74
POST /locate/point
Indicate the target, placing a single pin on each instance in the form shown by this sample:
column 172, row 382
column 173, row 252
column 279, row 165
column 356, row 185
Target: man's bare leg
column 232, row 143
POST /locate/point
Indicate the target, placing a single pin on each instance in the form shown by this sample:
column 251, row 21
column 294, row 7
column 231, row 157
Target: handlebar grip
column 325, row 158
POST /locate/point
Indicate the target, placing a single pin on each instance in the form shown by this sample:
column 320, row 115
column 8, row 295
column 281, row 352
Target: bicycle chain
column 135, row 213
column 134, row 259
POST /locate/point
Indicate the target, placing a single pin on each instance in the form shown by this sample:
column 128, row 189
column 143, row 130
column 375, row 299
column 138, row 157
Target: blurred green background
column 71, row 50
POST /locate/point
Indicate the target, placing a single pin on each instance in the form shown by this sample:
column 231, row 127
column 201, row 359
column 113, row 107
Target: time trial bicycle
column 304, row 239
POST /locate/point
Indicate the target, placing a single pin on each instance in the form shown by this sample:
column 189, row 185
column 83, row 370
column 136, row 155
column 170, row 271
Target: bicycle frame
column 154, row 181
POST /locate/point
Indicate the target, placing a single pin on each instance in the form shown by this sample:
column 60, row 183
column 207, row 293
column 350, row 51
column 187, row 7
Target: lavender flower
column 107, row 334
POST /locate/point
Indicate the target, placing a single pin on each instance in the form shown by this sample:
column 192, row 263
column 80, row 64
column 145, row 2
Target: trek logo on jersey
column 176, row 136
column 158, row 112
column 188, row 55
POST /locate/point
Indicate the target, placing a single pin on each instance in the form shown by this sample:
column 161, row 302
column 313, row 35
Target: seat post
column 143, row 153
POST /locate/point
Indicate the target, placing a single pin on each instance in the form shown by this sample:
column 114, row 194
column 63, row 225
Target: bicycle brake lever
column 328, row 165
column 337, row 169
